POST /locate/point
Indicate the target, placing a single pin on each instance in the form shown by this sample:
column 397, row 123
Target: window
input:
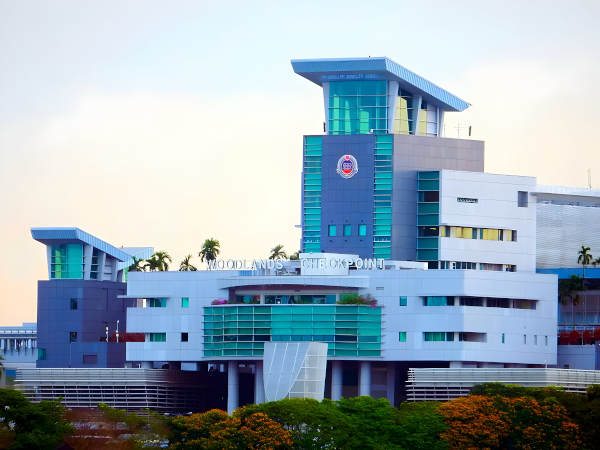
column 157, row 303
column 545, row 340
column 41, row 354
column 403, row 301
column 332, row 231
column 347, row 230
column 489, row 234
column 184, row 337
column 438, row 301
column 522, row 199
column 524, row 339
column 73, row 303
column 535, row 339
column 362, row 230
column 156, row 337
column 90, row 359
column 185, row 302
column 503, row 338
column 402, row 336
column 72, row 336
column 438, row 336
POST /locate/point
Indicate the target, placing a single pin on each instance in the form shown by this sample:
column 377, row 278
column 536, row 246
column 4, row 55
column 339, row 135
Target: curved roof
column 329, row 69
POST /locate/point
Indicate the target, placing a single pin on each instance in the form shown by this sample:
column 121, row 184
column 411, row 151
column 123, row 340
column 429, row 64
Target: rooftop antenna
column 590, row 179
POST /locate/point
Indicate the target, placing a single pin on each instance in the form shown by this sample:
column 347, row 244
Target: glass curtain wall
column 358, row 107
column 311, row 230
column 403, row 123
column 66, row 261
column 382, row 221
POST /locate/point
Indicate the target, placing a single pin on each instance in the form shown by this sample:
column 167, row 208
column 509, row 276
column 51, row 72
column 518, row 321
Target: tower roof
column 380, row 68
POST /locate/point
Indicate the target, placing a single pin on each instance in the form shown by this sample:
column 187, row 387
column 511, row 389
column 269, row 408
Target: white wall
column 496, row 207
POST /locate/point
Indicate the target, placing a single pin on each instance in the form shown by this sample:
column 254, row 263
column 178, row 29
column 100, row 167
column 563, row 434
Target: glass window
column 157, row 303
column 41, row 354
column 535, row 339
column 185, row 302
column 545, row 340
column 156, row 337
column 490, row 234
column 402, row 336
column 403, row 301
column 347, row 230
column 357, row 107
column 524, row 339
column 332, row 230
column 503, row 338
column 184, row 337
column 73, row 303
column 66, row 261
column 437, row 301
column 72, row 336
column 362, row 230
column 522, row 199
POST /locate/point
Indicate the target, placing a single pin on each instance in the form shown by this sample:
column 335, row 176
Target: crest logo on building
column 347, row 166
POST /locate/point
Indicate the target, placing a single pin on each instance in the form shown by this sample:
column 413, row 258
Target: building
column 412, row 258
column 18, row 347
column 79, row 312
column 422, row 318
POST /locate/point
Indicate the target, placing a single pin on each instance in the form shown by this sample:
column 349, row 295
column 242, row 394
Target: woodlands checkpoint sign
column 310, row 264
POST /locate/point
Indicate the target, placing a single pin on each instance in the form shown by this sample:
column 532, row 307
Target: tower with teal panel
column 357, row 181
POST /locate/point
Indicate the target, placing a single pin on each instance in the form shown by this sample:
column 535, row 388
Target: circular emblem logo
column 347, row 166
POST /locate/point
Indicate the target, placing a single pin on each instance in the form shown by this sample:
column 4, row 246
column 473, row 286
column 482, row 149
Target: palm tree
column 152, row 263
column 136, row 266
column 585, row 258
column 163, row 260
column 295, row 256
column 278, row 252
column 596, row 262
column 186, row 266
column 210, row 250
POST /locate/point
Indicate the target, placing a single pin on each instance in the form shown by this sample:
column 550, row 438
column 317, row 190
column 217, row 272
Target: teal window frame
column 156, row 303
column 402, row 336
column 331, row 230
column 185, row 302
column 157, row 337
column 347, row 230
column 403, row 301
column 362, row 230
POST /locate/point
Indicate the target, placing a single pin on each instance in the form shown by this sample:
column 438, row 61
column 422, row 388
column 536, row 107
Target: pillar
column 365, row 378
column 391, row 383
column 232, row 386
column 259, row 385
column 336, row 380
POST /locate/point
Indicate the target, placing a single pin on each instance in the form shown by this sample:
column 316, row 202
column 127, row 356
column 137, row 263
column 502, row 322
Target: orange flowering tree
column 499, row 422
column 215, row 429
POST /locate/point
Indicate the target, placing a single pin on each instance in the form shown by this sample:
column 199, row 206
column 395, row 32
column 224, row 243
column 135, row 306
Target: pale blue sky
column 163, row 123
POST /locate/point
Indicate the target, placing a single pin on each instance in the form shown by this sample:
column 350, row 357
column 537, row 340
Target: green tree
column 152, row 264
column 278, row 252
column 295, row 256
column 569, row 288
column 186, row 265
column 163, row 259
column 136, row 266
column 210, row 250
column 584, row 258
column 26, row 425
column 420, row 425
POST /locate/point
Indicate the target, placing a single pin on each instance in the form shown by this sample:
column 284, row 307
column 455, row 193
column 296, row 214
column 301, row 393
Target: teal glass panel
column 66, row 261
column 432, row 175
column 157, row 337
column 362, row 230
column 347, row 230
column 436, row 301
column 428, row 208
column 332, row 230
column 428, row 220
column 429, row 185
column 185, row 302
column 427, row 242
column 403, row 301
column 427, row 255
column 156, row 303
column 357, row 107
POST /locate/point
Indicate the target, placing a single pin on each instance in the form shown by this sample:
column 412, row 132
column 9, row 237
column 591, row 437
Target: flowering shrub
column 219, row 301
column 355, row 299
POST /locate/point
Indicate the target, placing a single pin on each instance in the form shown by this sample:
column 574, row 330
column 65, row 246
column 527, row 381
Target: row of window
column 445, row 336
column 490, row 302
column 468, row 265
column 486, row 234
column 346, row 230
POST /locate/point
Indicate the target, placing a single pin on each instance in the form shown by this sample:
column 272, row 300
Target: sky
column 162, row 124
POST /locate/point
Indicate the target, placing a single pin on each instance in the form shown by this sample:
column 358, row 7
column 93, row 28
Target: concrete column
column 49, row 259
column 259, row 385
column 415, row 116
column 232, row 386
column 326, row 106
column 391, row 109
column 88, row 250
column 391, row 383
column 364, row 381
column 336, row 380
